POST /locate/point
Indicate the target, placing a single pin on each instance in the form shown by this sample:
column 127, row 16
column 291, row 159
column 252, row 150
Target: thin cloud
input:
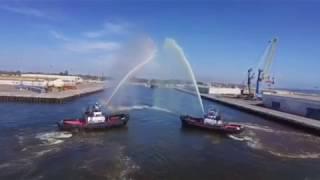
column 109, row 28
column 59, row 36
column 83, row 45
column 94, row 34
column 118, row 28
column 89, row 47
column 24, row 11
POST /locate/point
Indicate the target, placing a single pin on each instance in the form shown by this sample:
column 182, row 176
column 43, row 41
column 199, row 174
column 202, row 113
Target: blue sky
column 221, row 39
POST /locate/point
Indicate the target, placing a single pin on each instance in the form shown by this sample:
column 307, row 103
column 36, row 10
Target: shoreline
column 51, row 97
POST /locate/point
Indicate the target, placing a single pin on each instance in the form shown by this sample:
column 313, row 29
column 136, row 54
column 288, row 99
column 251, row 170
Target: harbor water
column 153, row 145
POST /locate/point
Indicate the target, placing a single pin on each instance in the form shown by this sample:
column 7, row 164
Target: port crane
column 263, row 74
column 250, row 77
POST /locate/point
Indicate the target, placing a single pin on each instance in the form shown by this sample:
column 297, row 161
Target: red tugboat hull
column 112, row 121
column 224, row 128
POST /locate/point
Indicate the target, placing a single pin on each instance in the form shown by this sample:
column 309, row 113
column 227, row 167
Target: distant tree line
column 11, row 73
column 63, row 73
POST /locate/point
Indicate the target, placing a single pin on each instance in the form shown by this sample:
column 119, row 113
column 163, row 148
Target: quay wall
column 300, row 122
column 52, row 97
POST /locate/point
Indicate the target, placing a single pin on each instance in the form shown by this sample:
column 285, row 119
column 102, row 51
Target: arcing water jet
column 129, row 74
column 171, row 44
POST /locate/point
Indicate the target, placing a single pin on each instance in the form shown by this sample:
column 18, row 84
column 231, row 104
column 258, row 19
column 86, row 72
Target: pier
column 12, row 94
column 255, row 107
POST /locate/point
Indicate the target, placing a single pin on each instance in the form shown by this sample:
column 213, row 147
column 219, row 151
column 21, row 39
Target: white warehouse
column 37, row 82
column 68, row 80
column 224, row 90
column 14, row 81
column 304, row 105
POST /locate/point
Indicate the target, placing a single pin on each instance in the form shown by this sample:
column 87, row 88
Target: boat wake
column 280, row 143
column 52, row 138
column 129, row 167
column 31, row 150
column 245, row 138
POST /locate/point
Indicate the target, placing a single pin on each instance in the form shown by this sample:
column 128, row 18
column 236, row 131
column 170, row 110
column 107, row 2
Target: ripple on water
column 280, row 143
column 114, row 165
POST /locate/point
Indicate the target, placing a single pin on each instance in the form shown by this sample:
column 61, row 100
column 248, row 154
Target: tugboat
column 94, row 119
column 212, row 122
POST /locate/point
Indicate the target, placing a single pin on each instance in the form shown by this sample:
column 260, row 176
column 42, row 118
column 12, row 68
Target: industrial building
column 299, row 104
column 219, row 91
column 40, row 82
column 225, row 90
column 68, row 80
column 17, row 80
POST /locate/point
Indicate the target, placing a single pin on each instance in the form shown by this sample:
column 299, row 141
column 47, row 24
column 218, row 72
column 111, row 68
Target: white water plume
column 160, row 67
column 173, row 45
column 129, row 74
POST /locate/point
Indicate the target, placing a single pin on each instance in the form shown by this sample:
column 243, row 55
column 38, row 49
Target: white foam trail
column 171, row 43
column 129, row 74
column 5, row 165
column 258, row 127
column 296, row 156
column 254, row 141
column 51, row 138
column 254, row 144
column 269, row 130
column 236, row 138
column 245, row 138
column 43, row 152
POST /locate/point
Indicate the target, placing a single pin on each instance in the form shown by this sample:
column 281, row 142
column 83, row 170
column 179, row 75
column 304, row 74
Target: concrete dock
column 256, row 107
column 12, row 94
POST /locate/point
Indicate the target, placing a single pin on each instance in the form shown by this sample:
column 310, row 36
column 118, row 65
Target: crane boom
column 269, row 59
column 263, row 73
